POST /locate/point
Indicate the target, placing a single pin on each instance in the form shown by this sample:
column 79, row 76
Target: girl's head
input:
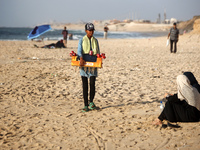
column 89, row 29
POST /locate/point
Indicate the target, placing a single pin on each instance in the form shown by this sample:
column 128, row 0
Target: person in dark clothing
column 105, row 32
column 185, row 105
column 174, row 37
column 58, row 44
column 179, row 111
column 65, row 34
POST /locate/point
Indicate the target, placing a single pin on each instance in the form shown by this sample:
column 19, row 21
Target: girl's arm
column 79, row 51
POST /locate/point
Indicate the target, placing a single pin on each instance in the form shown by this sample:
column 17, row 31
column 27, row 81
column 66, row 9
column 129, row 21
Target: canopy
column 38, row 30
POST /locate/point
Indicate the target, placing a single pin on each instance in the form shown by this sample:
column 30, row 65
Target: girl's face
column 89, row 33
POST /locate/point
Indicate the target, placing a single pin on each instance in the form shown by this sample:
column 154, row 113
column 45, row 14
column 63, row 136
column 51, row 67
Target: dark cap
column 89, row 26
column 174, row 23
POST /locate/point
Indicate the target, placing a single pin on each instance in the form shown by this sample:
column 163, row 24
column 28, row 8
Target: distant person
column 70, row 36
column 185, row 105
column 174, row 37
column 65, row 33
column 106, row 32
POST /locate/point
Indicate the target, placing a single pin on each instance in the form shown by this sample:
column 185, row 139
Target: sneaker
column 85, row 109
column 92, row 105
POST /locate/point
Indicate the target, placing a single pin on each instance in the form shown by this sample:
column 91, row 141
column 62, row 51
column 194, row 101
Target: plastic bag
column 167, row 42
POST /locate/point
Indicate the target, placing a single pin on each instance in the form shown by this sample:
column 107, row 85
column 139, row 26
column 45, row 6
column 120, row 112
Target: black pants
column 173, row 42
column 179, row 111
column 85, row 89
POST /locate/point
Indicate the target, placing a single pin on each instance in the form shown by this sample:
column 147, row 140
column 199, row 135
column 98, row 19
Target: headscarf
column 187, row 92
column 193, row 80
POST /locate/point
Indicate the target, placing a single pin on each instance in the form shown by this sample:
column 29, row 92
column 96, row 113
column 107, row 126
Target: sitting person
column 59, row 44
column 185, row 105
column 70, row 36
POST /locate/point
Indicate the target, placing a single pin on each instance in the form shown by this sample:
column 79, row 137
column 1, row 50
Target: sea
column 20, row 34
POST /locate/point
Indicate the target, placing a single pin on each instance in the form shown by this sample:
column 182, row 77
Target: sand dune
column 137, row 27
column 41, row 96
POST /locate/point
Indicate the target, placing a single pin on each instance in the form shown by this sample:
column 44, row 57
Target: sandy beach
column 41, row 96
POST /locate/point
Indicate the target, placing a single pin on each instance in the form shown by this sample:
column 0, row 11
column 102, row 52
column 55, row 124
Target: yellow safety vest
column 86, row 45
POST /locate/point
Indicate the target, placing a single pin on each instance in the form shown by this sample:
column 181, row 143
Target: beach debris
column 54, row 74
column 1, row 83
column 154, row 69
column 34, row 58
column 155, row 76
column 136, row 68
column 68, row 115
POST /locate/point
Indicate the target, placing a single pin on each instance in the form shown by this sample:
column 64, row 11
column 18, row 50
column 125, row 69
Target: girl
column 88, row 48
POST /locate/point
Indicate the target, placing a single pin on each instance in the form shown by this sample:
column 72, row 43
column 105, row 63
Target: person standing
column 65, row 33
column 174, row 37
column 88, row 48
column 105, row 32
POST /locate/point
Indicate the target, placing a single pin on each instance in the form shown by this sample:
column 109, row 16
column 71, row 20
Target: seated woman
column 185, row 105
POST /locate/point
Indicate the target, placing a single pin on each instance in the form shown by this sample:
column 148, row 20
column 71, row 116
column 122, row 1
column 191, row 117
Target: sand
column 41, row 96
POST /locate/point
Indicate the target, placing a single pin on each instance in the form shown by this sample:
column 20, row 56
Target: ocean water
column 55, row 34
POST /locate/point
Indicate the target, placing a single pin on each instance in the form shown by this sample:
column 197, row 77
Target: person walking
column 65, row 33
column 106, row 32
column 174, row 37
column 88, row 48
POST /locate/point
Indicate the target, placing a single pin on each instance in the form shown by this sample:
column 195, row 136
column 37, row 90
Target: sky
column 29, row 13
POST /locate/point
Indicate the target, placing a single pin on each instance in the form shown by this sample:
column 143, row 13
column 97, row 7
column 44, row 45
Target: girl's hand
column 82, row 61
column 167, row 95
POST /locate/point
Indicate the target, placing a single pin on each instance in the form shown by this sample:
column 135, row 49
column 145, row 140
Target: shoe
column 85, row 109
column 173, row 125
column 92, row 105
column 36, row 46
